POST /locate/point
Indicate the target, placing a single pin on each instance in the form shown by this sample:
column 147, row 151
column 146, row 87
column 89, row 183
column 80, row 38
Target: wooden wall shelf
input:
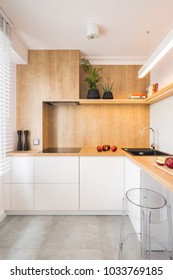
column 160, row 95
column 111, row 101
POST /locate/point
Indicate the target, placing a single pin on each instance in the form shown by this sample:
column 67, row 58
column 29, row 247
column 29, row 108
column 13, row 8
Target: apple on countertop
column 106, row 148
column 168, row 161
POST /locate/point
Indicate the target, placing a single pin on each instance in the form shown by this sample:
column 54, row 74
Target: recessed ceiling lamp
column 165, row 45
column 92, row 31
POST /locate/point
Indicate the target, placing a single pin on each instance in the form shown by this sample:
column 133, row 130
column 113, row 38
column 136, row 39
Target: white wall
column 161, row 115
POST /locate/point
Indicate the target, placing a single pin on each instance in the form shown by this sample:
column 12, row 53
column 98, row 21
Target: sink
column 144, row 152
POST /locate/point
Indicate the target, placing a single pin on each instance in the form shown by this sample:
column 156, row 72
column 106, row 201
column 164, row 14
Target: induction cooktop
column 62, row 150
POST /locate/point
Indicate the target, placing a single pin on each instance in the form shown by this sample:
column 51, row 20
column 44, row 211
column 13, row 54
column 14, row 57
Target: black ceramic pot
column 93, row 94
column 107, row 95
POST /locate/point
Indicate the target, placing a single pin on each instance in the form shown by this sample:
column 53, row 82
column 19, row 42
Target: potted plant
column 93, row 78
column 107, row 91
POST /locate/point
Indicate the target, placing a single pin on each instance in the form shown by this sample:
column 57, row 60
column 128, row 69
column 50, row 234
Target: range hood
column 63, row 103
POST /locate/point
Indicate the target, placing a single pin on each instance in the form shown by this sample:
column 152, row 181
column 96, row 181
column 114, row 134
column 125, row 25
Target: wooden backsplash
column 92, row 125
column 85, row 125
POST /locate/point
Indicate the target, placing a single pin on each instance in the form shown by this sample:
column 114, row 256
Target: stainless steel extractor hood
column 63, row 103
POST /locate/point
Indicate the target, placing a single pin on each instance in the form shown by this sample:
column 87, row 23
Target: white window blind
column 5, row 95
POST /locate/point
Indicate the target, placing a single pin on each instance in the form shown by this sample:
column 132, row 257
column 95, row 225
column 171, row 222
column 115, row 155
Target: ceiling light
column 92, row 31
column 165, row 45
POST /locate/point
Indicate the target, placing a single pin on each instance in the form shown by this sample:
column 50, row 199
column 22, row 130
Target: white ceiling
column 61, row 24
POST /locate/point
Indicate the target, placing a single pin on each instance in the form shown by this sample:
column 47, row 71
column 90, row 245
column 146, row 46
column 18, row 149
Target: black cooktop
column 62, row 150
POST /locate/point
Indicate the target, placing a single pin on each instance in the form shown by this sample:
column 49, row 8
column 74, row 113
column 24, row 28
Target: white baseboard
column 2, row 215
column 15, row 212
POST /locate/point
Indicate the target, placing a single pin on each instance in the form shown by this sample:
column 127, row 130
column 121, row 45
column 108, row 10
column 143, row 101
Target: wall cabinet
column 56, row 183
column 101, row 183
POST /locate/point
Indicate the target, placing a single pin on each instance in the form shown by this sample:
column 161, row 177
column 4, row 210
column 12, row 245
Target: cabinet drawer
column 22, row 170
column 56, row 169
column 22, row 197
column 56, row 197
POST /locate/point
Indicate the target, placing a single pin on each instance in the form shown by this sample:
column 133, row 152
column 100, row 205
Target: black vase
column 93, row 94
column 26, row 146
column 19, row 141
column 107, row 95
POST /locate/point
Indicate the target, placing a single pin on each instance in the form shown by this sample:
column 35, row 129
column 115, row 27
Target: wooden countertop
column 145, row 162
column 85, row 151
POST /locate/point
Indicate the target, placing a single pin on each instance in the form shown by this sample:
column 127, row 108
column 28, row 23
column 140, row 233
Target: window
column 5, row 95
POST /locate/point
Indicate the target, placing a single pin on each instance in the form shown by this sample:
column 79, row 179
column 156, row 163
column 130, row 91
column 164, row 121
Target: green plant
column 107, row 88
column 93, row 73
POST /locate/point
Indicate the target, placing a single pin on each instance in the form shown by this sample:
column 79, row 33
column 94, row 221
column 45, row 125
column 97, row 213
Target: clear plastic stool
column 146, row 227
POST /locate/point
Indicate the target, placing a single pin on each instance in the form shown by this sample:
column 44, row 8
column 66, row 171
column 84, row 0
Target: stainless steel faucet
column 150, row 128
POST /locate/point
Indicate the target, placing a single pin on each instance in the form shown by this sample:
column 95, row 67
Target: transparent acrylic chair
column 146, row 227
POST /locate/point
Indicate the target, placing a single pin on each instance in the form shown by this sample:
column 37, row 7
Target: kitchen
column 51, row 75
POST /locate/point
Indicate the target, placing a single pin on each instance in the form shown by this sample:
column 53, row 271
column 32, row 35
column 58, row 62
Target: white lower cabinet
column 132, row 175
column 22, row 170
column 60, row 169
column 21, row 184
column 101, row 182
column 56, row 197
column 133, row 180
column 22, row 197
column 64, row 183
column 56, row 183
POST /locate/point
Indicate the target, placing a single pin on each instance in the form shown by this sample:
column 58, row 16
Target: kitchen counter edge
column 145, row 162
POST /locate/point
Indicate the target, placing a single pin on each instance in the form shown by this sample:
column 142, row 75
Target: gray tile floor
column 59, row 237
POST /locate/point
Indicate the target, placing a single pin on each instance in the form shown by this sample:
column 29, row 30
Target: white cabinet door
column 22, row 197
column 56, row 183
column 61, row 169
column 132, row 175
column 56, row 197
column 101, row 182
column 22, row 170
column 6, row 197
column 18, row 186
column 133, row 180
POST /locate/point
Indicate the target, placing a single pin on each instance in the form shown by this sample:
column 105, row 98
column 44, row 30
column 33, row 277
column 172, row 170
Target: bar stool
column 146, row 226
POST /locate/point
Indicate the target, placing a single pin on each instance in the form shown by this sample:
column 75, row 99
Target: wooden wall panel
column 49, row 75
column 91, row 125
column 54, row 75
column 125, row 78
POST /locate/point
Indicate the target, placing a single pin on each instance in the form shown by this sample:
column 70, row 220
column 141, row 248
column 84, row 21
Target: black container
column 93, row 94
column 19, row 141
column 107, row 95
column 26, row 145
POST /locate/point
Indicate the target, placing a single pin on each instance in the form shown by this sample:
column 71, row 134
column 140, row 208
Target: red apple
column 99, row 148
column 113, row 148
column 106, row 147
column 169, row 162
column 160, row 161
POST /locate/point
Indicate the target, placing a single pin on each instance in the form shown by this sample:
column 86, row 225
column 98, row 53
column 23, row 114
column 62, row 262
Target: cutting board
column 164, row 168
